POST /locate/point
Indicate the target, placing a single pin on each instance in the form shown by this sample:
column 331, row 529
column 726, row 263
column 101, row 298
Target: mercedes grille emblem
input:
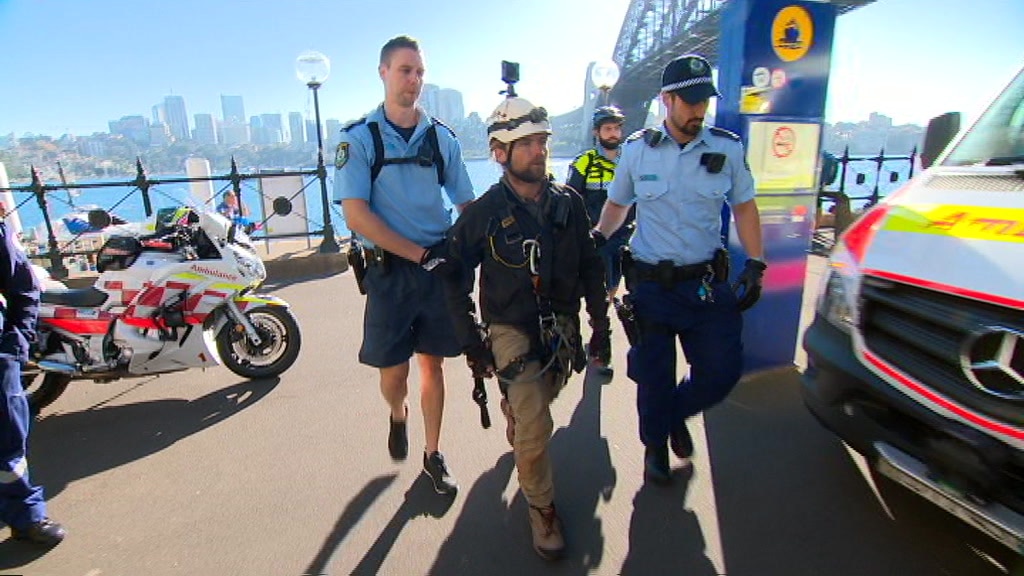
column 993, row 361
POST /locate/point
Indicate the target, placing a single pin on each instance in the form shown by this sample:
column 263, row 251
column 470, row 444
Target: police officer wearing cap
column 22, row 506
column 678, row 176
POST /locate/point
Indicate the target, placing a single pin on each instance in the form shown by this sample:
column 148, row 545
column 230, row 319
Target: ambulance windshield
column 997, row 138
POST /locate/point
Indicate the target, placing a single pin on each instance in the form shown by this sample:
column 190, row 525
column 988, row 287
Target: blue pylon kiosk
column 773, row 67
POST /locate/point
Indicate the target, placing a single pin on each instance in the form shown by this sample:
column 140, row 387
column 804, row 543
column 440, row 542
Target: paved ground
column 205, row 473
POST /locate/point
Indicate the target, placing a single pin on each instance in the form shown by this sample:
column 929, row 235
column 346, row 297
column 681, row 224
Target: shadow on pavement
column 492, row 537
column 75, row 445
column 791, row 500
column 420, row 500
column 349, row 518
column 665, row 537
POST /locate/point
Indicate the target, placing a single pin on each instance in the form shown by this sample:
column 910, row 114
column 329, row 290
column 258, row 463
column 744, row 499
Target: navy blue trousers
column 710, row 334
column 21, row 503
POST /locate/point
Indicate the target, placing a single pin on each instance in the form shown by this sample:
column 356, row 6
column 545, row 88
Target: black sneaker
column 437, row 470
column 656, row 465
column 681, row 442
column 46, row 533
column 398, row 438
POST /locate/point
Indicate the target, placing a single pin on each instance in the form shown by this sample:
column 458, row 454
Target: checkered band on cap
column 687, row 83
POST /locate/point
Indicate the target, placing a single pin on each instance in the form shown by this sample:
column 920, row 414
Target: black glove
column 598, row 238
column 600, row 346
column 748, row 285
column 480, row 359
column 437, row 259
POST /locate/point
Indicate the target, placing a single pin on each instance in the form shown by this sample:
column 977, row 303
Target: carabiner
column 531, row 251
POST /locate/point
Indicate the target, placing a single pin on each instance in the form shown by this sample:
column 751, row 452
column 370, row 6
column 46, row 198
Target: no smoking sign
column 783, row 142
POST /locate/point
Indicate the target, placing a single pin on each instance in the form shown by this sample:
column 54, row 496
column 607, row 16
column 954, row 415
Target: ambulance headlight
column 251, row 267
column 835, row 306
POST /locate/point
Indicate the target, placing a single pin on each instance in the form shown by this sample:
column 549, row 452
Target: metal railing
column 839, row 204
column 144, row 188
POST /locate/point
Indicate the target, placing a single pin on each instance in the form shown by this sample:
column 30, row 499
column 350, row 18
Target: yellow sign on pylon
column 792, row 33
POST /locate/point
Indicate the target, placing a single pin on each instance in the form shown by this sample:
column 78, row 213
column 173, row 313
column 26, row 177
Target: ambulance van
column 916, row 351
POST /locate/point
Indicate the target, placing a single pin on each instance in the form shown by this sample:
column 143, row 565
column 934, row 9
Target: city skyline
column 893, row 56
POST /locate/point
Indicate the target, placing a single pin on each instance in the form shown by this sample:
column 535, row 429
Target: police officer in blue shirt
column 390, row 169
column 22, row 506
column 679, row 175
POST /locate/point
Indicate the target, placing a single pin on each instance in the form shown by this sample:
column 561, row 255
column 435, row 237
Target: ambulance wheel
column 278, row 348
column 51, row 387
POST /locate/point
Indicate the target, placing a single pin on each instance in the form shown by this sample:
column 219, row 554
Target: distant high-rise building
column 332, row 133
column 297, row 134
column 256, row 134
column 234, row 133
column 177, row 117
column 311, row 132
column 206, row 131
column 135, row 128
column 159, row 134
column 159, row 115
column 428, row 98
column 273, row 128
column 232, row 108
column 449, row 106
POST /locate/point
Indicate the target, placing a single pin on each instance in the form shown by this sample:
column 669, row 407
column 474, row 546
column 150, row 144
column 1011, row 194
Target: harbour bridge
column 653, row 32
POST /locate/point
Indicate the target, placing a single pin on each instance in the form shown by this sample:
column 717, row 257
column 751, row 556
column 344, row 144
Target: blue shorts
column 405, row 313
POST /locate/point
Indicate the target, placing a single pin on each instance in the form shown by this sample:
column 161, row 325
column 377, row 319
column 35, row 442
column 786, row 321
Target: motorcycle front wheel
column 277, row 351
column 50, row 388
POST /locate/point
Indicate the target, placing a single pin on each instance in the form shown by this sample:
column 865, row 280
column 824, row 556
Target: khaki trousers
column 530, row 399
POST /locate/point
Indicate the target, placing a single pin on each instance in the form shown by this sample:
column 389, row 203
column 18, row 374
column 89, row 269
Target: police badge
column 341, row 155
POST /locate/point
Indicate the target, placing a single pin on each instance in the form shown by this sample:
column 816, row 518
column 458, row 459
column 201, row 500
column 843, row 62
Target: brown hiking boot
column 510, row 422
column 548, row 541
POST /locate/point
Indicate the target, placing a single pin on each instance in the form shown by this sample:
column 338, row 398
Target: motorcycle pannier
column 118, row 253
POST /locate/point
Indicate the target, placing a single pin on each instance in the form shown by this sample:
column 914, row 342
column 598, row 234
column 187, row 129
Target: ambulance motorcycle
column 178, row 299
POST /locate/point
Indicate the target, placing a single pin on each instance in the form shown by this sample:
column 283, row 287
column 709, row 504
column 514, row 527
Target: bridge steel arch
column 656, row 31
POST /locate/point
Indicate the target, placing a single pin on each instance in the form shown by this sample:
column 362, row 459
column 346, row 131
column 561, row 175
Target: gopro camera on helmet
column 509, row 75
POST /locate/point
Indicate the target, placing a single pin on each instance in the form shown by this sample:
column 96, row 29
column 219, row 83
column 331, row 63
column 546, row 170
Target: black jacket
column 490, row 234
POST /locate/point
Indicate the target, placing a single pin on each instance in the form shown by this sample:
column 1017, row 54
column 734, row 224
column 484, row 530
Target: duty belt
column 662, row 273
column 377, row 256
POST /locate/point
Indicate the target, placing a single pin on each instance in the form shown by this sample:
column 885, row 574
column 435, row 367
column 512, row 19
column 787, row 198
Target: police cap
column 689, row 76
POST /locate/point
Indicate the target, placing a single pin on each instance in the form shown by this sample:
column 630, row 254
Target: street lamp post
column 604, row 74
column 312, row 68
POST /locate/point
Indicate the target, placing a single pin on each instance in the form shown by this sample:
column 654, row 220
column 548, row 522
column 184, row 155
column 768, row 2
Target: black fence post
column 878, row 174
column 913, row 157
column 142, row 183
column 236, row 181
column 846, row 162
column 57, row 268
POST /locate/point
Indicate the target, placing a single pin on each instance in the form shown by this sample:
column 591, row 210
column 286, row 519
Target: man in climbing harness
column 530, row 238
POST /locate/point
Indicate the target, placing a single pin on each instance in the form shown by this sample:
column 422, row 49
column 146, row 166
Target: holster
column 358, row 265
column 720, row 265
column 627, row 317
column 628, row 267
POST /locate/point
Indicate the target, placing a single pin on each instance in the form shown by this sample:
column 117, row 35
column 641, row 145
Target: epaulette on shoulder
column 353, row 124
column 651, row 136
column 724, row 133
column 438, row 122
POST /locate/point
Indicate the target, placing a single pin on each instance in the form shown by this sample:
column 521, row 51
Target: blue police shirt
column 678, row 202
column 405, row 196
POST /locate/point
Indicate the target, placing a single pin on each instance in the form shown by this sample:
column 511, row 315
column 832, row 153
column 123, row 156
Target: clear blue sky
column 72, row 65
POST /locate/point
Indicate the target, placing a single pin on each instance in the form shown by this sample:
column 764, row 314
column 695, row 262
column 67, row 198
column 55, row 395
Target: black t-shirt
column 405, row 133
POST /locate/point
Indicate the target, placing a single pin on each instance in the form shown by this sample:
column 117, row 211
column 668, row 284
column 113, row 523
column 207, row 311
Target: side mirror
column 99, row 219
column 940, row 132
